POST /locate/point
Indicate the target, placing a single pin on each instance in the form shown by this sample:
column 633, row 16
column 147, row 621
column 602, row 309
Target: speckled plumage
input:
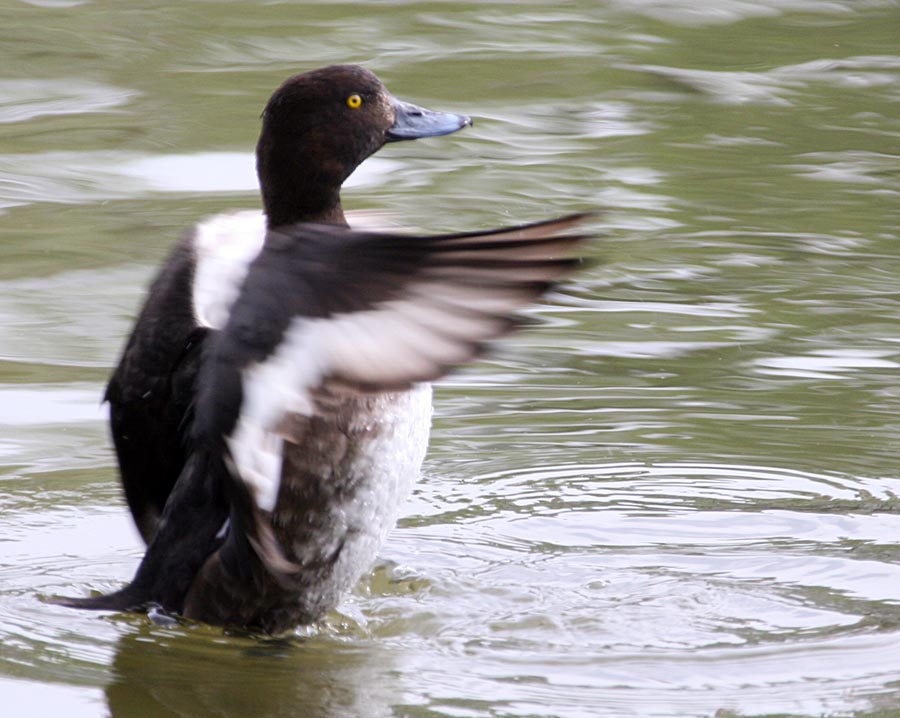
column 350, row 465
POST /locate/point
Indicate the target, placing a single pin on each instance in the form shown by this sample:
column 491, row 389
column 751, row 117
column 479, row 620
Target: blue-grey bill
column 413, row 122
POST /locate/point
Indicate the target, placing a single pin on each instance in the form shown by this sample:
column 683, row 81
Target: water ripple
column 742, row 576
column 78, row 177
column 723, row 12
column 778, row 86
column 24, row 100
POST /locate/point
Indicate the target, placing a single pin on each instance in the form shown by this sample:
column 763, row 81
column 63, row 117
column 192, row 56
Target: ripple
column 851, row 167
column 860, row 72
column 695, row 585
column 24, row 100
column 78, row 177
column 141, row 665
column 722, row 12
column 47, row 699
column 678, row 497
column 28, row 406
column 55, row 321
column 733, row 88
column 827, row 364
column 39, row 637
column 779, row 85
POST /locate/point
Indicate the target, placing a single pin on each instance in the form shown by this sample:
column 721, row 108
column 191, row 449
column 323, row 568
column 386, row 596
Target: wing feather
column 368, row 311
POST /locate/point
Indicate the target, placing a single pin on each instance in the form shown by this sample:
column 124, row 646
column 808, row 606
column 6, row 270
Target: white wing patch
column 397, row 343
column 224, row 247
column 257, row 455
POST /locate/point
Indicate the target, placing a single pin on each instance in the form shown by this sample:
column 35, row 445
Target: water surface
column 678, row 496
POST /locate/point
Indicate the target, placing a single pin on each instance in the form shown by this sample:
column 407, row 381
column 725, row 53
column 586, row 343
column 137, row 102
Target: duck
column 317, row 127
column 272, row 406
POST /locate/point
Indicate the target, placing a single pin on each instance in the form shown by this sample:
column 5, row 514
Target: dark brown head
column 319, row 126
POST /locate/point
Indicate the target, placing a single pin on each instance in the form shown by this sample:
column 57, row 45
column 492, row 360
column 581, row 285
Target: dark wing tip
column 117, row 601
column 546, row 227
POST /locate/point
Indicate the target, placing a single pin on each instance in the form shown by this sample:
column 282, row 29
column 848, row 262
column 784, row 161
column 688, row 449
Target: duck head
column 319, row 126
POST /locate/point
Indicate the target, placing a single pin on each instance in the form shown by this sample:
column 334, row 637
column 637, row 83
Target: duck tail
column 191, row 529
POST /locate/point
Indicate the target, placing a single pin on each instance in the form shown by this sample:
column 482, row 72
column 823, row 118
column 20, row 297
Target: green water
column 676, row 497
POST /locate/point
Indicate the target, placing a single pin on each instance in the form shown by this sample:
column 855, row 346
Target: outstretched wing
column 370, row 311
column 323, row 304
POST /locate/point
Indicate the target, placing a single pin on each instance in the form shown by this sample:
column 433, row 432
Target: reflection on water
column 209, row 677
column 678, row 496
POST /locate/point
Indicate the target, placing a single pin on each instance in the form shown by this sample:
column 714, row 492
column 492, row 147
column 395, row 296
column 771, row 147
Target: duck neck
column 283, row 208
column 297, row 188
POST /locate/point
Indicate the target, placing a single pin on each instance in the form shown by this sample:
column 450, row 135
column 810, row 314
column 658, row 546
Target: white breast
column 390, row 462
column 332, row 483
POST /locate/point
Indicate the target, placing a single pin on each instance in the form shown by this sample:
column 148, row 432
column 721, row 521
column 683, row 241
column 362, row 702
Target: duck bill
column 412, row 122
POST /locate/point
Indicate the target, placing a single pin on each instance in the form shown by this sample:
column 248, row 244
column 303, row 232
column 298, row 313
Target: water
column 677, row 497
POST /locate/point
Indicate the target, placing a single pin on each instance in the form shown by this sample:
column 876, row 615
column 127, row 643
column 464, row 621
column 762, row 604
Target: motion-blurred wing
column 325, row 305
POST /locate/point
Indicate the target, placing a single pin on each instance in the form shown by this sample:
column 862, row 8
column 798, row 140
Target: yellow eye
column 354, row 101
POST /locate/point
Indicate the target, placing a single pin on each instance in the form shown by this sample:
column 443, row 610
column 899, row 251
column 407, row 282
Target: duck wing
column 151, row 392
column 372, row 311
column 369, row 311
column 324, row 306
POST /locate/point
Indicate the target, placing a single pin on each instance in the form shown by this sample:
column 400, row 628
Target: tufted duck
column 271, row 410
column 317, row 128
